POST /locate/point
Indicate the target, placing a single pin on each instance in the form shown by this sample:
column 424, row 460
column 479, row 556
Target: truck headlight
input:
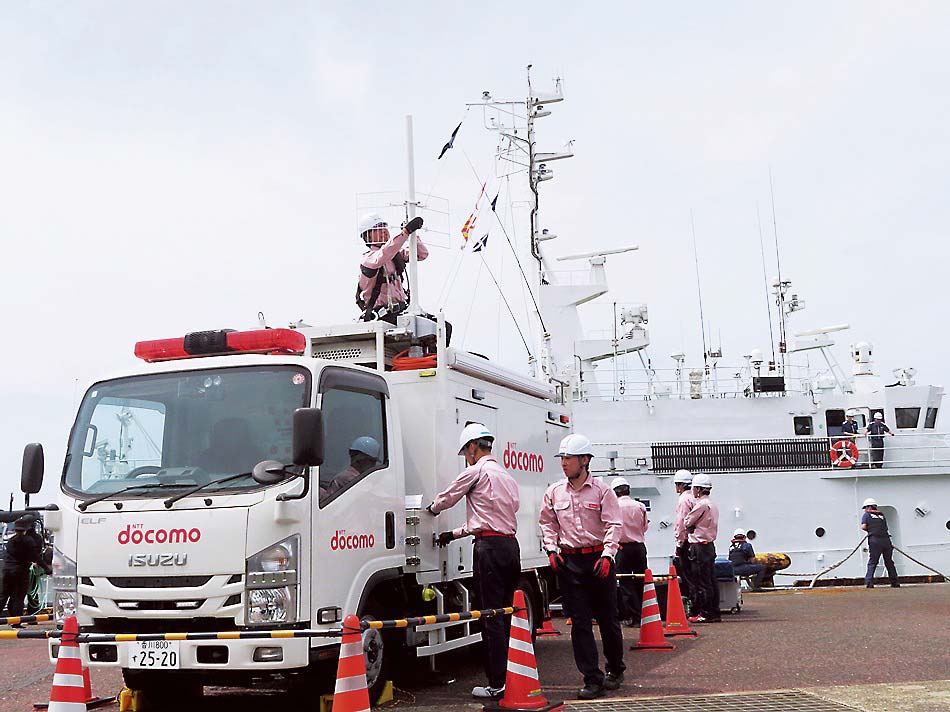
column 271, row 584
column 64, row 585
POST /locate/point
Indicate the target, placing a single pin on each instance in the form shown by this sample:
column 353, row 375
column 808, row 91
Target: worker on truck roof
column 382, row 292
column 491, row 501
column 580, row 525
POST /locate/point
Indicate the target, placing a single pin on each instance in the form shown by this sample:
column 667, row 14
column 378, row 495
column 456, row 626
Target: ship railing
column 635, row 383
column 902, row 450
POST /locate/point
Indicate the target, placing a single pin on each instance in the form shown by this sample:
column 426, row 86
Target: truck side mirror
column 308, row 437
column 31, row 475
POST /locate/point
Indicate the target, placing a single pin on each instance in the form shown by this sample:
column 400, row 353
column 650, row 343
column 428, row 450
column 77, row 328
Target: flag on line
column 451, row 142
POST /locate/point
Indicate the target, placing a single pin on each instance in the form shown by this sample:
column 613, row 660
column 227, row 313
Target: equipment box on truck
column 171, row 518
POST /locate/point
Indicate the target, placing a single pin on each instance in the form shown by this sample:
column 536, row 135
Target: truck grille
column 158, row 581
column 161, row 625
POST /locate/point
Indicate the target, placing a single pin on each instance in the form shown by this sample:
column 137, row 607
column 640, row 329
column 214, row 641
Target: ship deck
column 822, row 649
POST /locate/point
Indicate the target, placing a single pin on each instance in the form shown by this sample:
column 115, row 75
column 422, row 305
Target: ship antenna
column 781, row 290
column 765, row 282
column 699, row 288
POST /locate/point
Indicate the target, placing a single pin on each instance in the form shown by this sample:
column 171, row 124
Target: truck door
column 360, row 492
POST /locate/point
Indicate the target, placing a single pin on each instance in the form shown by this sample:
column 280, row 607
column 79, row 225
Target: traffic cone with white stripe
column 651, row 629
column 350, row 693
column 676, row 621
column 69, row 690
column 522, row 686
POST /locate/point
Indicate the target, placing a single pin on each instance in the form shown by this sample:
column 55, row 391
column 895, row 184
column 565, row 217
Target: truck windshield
column 186, row 428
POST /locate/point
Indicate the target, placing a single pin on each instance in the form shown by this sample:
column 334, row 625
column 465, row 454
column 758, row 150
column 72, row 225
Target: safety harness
column 368, row 307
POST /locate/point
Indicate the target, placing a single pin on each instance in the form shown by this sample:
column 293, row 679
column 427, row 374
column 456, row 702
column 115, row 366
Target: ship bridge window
column 931, row 420
column 803, row 425
column 907, row 417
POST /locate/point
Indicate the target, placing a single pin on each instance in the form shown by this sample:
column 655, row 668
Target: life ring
column 844, row 453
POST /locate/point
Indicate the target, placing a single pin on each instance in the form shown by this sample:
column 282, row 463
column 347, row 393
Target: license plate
column 155, row 655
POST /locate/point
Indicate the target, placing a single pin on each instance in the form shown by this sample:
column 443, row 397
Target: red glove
column 556, row 560
column 602, row 567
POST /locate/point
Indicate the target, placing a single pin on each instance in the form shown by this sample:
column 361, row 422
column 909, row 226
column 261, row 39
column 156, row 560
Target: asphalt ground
column 880, row 649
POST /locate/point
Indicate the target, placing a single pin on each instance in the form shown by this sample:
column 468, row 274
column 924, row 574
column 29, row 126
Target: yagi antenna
column 598, row 253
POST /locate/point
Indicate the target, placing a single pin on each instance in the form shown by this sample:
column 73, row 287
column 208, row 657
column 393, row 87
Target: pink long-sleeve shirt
column 491, row 498
column 578, row 518
column 391, row 291
column 683, row 505
column 704, row 516
column 633, row 520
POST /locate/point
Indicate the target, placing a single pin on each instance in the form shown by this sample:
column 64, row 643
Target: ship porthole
column 820, row 531
column 948, row 524
column 751, row 534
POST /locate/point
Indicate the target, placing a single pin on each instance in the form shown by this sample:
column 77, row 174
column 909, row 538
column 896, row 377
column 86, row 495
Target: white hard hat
column 367, row 446
column 619, row 482
column 738, row 532
column 852, row 412
column 869, row 502
column 575, row 444
column 473, row 431
column 702, row 480
column 369, row 221
column 683, row 477
column 879, row 416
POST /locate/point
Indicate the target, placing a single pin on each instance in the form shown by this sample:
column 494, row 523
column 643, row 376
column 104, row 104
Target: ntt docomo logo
column 138, row 534
column 341, row 541
column 518, row 460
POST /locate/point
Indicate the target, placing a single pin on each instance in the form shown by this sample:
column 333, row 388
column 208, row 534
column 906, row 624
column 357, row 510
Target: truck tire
column 379, row 651
column 532, row 603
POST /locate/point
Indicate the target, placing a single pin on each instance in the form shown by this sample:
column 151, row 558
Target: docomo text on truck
column 274, row 479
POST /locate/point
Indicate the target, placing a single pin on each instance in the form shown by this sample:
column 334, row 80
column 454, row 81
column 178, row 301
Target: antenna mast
column 410, row 214
column 781, row 287
column 765, row 282
column 699, row 290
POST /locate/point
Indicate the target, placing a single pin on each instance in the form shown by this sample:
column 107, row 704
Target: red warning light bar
column 224, row 341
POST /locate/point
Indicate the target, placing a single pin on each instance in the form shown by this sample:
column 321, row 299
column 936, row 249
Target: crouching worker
column 741, row 554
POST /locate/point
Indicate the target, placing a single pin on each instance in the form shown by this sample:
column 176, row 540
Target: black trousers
column 756, row 571
column 880, row 546
column 631, row 559
column 877, row 452
column 684, row 571
column 702, row 559
column 15, row 585
column 496, row 567
column 587, row 597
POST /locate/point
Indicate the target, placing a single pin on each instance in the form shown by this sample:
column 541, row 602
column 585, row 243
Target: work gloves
column 602, row 567
column 444, row 538
column 556, row 560
column 413, row 225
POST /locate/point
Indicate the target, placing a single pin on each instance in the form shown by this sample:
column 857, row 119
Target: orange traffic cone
column 350, row 693
column 92, row 702
column 68, row 693
column 547, row 628
column 651, row 630
column 676, row 622
column 522, row 686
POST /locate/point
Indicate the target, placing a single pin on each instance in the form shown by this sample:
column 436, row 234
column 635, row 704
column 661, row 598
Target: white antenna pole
column 410, row 214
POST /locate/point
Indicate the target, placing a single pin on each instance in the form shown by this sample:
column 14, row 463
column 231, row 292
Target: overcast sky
column 170, row 167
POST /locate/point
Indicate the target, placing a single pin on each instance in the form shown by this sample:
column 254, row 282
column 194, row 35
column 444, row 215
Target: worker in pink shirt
column 580, row 526
column 491, row 502
column 702, row 527
column 632, row 555
column 683, row 481
column 381, row 292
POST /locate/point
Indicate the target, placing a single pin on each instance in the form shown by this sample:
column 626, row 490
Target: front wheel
column 379, row 651
column 532, row 607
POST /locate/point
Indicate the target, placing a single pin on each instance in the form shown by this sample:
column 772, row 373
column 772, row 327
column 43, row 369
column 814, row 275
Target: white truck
column 231, row 483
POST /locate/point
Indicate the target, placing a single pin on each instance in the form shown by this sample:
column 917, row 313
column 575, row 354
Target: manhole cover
column 788, row 701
